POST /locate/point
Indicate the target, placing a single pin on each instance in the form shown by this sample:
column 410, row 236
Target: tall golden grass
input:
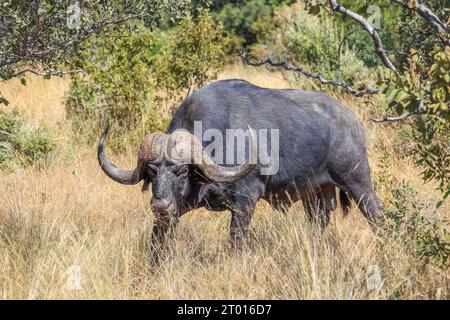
column 67, row 231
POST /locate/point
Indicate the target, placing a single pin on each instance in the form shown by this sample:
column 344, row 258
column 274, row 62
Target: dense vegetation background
column 129, row 66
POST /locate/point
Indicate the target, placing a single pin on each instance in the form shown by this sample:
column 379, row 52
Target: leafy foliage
column 313, row 42
column 240, row 18
column 414, row 224
column 415, row 230
column 125, row 74
column 41, row 35
column 116, row 85
column 423, row 87
column 381, row 14
column 22, row 145
column 194, row 55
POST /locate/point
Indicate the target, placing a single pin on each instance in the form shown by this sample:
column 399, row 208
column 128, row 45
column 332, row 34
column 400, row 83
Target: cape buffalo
column 320, row 146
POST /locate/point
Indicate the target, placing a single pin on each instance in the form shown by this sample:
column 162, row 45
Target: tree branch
column 420, row 110
column 429, row 16
column 94, row 28
column 370, row 30
column 44, row 74
column 289, row 67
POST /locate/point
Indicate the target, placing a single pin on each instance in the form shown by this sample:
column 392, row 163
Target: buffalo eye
column 182, row 171
column 152, row 168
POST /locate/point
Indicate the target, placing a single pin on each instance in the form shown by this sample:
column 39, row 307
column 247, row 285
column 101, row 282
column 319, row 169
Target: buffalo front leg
column 241, row 215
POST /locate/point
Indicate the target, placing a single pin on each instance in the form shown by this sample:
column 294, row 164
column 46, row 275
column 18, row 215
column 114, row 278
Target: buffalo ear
column 149, row 173
column 146, row 184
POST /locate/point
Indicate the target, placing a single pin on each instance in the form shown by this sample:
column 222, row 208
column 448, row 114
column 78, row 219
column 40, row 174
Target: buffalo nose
column 159, row 204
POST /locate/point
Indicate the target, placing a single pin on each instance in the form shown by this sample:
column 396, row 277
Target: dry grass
column 40, row 101
column 70, row 217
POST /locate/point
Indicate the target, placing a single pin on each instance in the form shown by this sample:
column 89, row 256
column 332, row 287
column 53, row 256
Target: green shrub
column 425, row 81
column 310, row 41
column 241, row 18
column 424, row 235
column 34, row 144
column 22, row 145
column 116, row 87
column 304, row 38
column 127, row 76
column 193, row 56
column 415, row 225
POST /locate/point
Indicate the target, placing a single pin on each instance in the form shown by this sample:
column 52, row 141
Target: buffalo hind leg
column 319, row 203
column 316, row 213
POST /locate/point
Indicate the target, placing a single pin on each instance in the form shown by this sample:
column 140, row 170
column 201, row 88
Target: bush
column 193, row 56
column 425, row 81
column 241, row 18
column 425, row 236
column 311, row 41
column 22, row 145
column 303, row 38
column 116, row 87
column 415, row 225
column 126, row 75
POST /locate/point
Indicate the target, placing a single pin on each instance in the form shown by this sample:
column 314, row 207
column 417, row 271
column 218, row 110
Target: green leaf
column 363, row 10
column 447, row 77
column 391, row 93
column 413, row 105
column 4, row 101
column 401, row 95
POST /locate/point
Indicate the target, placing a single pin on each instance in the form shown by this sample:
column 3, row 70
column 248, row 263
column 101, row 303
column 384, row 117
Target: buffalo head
column 170, row 162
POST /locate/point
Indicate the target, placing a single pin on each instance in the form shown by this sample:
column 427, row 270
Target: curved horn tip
column 128, row 177
column 105, row 133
